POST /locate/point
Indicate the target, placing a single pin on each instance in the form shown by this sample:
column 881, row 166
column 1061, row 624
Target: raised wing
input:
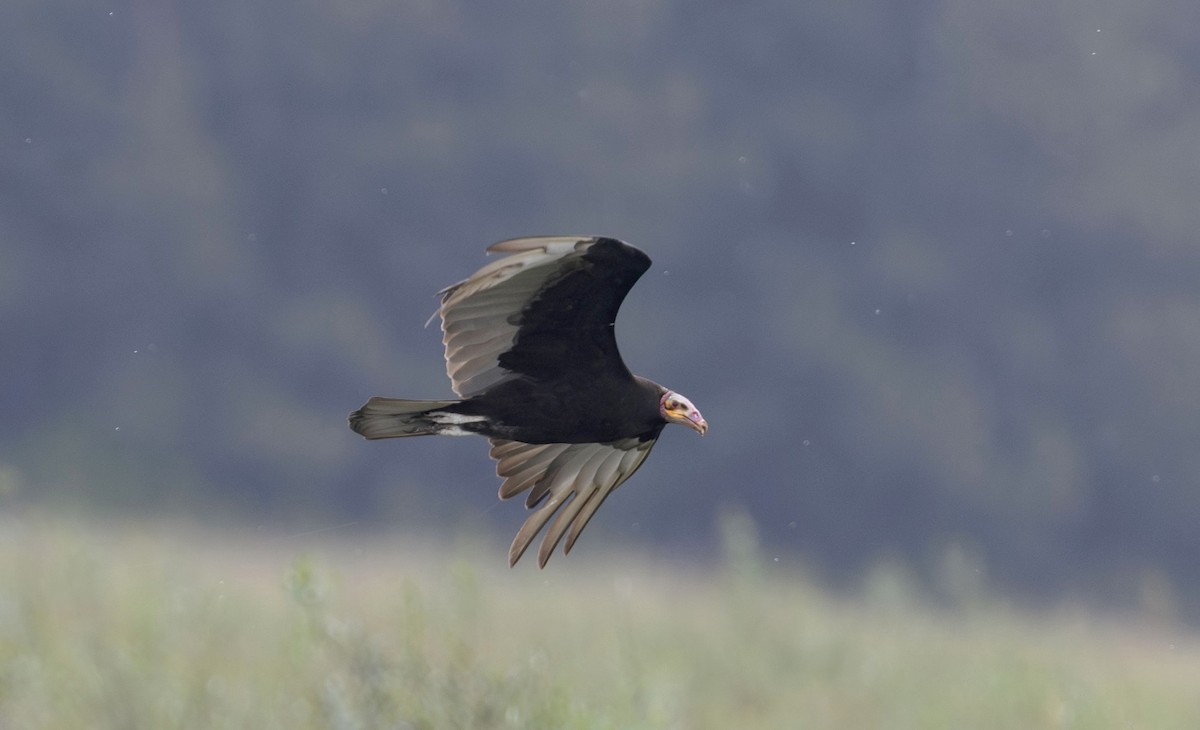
column 572, row 479
column 544, row 310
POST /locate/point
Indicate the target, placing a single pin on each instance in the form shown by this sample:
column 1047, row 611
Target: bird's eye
column 672, row 405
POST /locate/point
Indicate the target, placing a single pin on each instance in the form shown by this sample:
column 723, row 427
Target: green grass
column 131, row 627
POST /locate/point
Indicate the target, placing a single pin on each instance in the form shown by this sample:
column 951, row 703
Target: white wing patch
column 571, row 479
column 479, row 314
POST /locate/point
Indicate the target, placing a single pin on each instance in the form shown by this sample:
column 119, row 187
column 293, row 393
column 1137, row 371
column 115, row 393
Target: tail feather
column 385, row 418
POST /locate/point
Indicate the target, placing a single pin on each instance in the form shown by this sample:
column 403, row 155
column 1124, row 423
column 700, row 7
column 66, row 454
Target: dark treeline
column 929, row 269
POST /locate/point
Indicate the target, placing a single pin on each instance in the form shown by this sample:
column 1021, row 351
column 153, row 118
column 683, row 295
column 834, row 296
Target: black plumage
column 530, row 348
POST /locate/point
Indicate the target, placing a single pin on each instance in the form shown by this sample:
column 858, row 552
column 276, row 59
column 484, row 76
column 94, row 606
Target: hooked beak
column 674, row 408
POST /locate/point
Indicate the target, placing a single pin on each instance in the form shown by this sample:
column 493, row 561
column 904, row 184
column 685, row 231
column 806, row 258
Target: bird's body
column 531, row 351
column 558, row 411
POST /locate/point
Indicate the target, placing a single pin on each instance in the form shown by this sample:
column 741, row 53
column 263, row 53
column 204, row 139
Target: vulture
column 531, row 353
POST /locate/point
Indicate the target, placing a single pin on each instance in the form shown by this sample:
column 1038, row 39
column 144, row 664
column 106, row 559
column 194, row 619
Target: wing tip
column 518, row 548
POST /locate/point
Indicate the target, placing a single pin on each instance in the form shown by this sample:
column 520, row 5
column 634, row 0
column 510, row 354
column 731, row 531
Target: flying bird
column 530, row 352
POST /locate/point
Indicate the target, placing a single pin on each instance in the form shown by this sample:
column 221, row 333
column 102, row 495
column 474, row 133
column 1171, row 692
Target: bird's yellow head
column 677, row 409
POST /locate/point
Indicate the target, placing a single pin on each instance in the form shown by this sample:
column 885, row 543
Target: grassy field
column 157, row 627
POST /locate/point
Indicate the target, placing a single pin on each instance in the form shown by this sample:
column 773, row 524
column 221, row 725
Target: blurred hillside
column 929, row 269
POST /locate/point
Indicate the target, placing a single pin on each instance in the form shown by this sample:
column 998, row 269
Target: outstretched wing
column 571, row 479
column 546, row 309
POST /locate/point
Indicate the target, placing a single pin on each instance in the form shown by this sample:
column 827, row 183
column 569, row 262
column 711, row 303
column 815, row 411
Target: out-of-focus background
column 930, row 270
